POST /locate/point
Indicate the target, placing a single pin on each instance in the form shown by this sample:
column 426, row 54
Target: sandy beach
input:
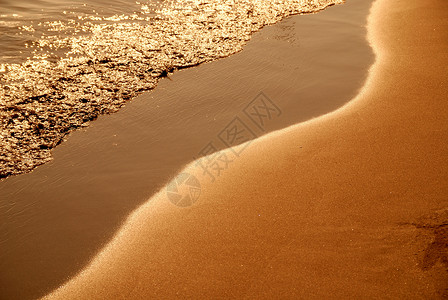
column 55, row 219
column 349, row 204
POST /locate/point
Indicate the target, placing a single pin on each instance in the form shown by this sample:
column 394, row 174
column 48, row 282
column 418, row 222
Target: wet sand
column 351, row 204
column 58, row 217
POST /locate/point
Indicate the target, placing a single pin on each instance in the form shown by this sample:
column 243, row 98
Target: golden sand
column 351, row 204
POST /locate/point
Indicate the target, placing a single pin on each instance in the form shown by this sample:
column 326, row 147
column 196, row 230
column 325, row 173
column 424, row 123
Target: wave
column 109, row 60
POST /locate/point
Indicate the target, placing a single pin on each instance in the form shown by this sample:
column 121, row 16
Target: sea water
column 64, row 63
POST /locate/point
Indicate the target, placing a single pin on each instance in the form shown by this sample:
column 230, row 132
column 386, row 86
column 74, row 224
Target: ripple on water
column 81, row 63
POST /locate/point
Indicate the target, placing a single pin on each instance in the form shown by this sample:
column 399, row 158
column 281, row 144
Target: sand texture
column 351, row 204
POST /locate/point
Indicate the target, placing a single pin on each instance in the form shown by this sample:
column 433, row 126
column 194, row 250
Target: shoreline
column 352, row 202
column 59, row 216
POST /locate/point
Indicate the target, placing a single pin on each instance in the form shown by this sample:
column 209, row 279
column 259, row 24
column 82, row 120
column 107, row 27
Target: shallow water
column 71, row 79
column 94, row 63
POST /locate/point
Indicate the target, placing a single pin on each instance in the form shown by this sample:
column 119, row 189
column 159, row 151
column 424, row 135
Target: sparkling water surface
column 23, row 23
column 62, row 64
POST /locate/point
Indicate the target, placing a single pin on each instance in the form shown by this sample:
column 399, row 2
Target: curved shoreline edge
column 351, row 203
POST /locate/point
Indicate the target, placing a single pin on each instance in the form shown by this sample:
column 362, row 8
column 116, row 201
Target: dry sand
column 351, row 204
